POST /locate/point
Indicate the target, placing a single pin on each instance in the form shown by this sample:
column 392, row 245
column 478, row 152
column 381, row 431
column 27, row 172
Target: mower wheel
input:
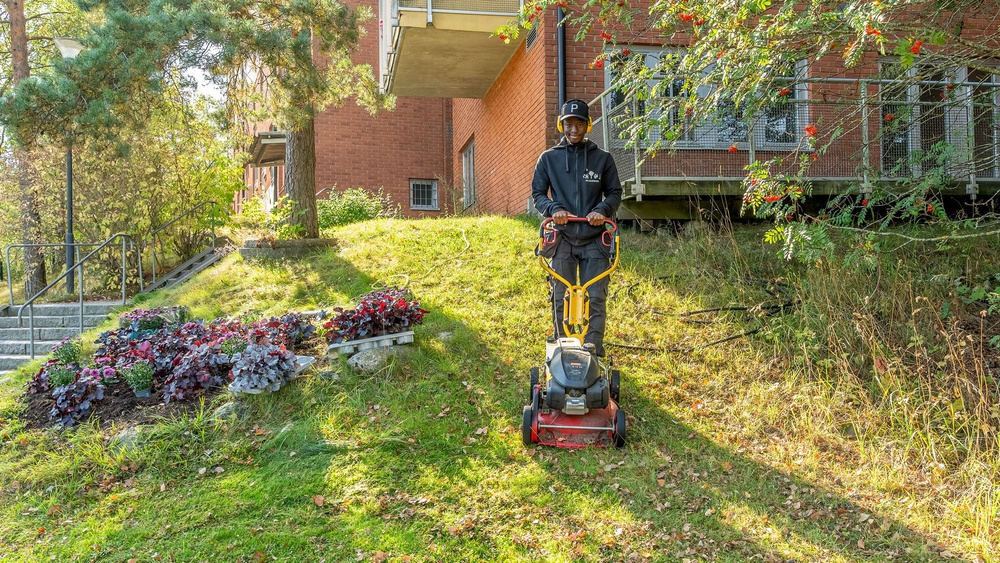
column 619, row 432
column 532, row 381
column 529, row 419
column 616, row 384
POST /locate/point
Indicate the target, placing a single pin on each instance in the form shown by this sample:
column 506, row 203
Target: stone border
column 255, row 249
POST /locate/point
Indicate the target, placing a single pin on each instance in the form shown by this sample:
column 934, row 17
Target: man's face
column 574, row 128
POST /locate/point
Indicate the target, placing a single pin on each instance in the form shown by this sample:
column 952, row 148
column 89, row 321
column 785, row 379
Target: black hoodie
column 580, row 179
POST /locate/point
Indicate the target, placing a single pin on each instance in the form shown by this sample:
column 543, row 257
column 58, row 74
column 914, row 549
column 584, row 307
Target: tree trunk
column 34, row 263
column 300, row 178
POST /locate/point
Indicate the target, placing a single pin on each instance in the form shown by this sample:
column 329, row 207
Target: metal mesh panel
column 887, row 132
column 606, row 132
column 472, row 6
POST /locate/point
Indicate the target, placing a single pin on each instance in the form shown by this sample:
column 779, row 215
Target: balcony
column 442, row 48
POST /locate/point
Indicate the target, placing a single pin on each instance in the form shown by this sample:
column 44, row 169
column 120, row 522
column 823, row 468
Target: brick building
column 474, row 113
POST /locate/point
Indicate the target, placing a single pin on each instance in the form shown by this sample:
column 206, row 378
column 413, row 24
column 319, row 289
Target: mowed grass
column 735, row 453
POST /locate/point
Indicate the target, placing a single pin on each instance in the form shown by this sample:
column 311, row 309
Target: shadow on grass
column 424, row 460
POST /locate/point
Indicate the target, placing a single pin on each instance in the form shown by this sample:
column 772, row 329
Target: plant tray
column 373, row 342
column 302, row 363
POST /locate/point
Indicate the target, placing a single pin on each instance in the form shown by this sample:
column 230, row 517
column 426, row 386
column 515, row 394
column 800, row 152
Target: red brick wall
column 354, row 149
column 508, row 126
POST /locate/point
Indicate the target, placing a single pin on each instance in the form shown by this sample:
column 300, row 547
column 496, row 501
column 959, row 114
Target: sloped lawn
column 732, row 456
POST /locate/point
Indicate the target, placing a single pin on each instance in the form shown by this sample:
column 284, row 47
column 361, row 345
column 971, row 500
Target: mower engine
column 576, row 383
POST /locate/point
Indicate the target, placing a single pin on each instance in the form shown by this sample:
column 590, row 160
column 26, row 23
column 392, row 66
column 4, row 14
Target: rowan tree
column 734, row 61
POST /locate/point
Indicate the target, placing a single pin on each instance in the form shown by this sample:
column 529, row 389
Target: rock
column 375, row 359
column 232, row 410
column 126, row 441
column 329, row 375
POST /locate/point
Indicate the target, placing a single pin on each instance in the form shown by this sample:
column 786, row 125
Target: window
column 424, row 195
column 776, row 127
column 469, row 175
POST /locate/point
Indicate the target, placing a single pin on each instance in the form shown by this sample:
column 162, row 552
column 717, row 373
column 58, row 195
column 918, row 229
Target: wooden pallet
column 373, row 342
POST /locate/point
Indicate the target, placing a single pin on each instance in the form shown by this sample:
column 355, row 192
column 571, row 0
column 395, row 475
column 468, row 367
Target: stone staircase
column 52, row 323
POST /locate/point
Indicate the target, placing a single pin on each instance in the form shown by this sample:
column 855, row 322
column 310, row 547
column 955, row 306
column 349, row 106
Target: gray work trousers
column 578, row 265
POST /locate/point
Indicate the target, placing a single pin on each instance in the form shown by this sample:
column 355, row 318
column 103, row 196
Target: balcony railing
column 867, row 131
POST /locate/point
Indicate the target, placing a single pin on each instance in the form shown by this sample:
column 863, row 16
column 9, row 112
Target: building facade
column 474, row 112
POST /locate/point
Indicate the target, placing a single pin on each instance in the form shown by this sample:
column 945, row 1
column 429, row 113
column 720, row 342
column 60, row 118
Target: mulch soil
column 122, row 408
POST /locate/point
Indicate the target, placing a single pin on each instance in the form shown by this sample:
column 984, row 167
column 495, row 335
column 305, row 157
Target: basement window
column 424, row 195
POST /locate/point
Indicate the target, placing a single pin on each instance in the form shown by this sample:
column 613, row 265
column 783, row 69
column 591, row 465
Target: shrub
column 153, row 319
column 287, row 330
column 102, row 373
column 68, row 351
column 139, row 375
column 261, row 367
column 200, row 368
column 61, row 375
column 383, row 311
column 75, row 400
column 353, row 205
column 234, row 345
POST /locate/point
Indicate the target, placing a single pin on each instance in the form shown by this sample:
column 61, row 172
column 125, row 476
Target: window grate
column 424, row 195
column 530, row 39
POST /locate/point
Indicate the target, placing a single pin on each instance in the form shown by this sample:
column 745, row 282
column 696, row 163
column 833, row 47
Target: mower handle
column 549, row 221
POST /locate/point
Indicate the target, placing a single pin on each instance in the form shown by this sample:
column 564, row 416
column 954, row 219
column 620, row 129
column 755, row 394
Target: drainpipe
column 561, row 55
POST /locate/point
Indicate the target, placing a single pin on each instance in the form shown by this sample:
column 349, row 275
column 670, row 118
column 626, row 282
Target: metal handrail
column 10, row 280
column 30, row 303
column 152, row 235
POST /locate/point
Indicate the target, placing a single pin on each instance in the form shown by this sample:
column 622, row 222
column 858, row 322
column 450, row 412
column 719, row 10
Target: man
column 575, row 178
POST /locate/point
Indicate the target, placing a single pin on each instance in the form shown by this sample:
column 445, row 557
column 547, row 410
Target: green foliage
column 733, row 65
column 68, row 351
column 139, row 375
column 354, row 205
column 278, row 223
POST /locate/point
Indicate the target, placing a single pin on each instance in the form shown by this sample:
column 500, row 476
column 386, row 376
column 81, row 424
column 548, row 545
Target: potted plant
column 139, row 377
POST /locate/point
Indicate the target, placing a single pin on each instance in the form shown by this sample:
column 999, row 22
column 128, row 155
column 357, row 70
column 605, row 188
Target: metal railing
column 7, row 269
column 79, row 265
column 478, row 7
column 869, row 130
column 152, row 236
column 389, row 31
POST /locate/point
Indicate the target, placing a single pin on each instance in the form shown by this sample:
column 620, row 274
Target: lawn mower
column 573, row 397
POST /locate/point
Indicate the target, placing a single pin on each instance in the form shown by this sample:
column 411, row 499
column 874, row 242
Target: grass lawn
column 734, row 453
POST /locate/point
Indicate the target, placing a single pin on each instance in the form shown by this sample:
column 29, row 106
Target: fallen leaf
column 482, row 431
column 318, row 500
column 219, row 469
column 202, row 470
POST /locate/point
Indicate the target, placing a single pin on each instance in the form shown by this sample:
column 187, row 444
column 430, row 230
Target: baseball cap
column 575, row 108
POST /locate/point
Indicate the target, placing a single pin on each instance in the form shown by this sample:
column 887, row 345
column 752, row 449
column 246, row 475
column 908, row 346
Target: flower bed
column 383, row 311
column 187, row 359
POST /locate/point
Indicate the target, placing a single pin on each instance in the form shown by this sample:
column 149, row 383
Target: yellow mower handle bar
column 576, row 311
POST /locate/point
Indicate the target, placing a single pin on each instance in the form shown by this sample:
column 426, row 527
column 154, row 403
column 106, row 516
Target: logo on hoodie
column 591, row 176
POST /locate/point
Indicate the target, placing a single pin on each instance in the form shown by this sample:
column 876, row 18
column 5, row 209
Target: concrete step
column 12, row 362
column 20, row 347
column 89, row 321
column 48, row 334
column 67, row 309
